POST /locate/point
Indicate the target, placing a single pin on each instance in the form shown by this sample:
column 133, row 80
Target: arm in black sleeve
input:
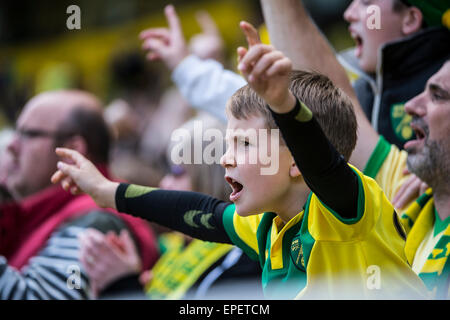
column 325, row 170
column 192, row 213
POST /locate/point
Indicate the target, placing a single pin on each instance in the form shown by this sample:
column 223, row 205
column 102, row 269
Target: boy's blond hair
column 330, row 106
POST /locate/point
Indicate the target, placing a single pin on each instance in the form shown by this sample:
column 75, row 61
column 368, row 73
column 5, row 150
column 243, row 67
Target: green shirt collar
column 439, row 224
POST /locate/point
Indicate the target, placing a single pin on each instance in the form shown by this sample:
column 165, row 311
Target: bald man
column 46, row 121
column 39, row 244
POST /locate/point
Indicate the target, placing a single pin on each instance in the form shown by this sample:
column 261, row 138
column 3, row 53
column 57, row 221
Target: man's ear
column 412, row 20
column 294, row 172
column 77, row 143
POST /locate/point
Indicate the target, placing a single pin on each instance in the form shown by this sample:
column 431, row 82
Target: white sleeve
column 206, row 85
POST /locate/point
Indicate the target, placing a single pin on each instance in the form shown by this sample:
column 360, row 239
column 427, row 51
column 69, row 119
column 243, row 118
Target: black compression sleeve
column 325, row 171
column 192, row 213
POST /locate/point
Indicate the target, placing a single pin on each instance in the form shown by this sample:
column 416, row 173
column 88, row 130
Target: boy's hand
column 167, row 44
column 266, row 70
column 83, row 176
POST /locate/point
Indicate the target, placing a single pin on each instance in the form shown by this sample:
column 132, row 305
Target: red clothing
column 25, row 227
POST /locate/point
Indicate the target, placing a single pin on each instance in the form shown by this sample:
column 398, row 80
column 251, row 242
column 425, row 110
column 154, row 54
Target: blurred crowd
column 53, row 241
column 142, row 111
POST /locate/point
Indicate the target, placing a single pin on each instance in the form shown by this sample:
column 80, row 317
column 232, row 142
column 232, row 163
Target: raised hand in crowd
column 169, row 44
column 266, row 70
column 209, row 43
column 166, row 44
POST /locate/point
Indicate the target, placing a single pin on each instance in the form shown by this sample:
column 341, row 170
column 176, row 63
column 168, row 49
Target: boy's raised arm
column 293, row 32
column 323, row 168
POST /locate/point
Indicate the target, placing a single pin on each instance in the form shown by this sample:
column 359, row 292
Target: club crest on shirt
column 400, row 121
column 297, row 254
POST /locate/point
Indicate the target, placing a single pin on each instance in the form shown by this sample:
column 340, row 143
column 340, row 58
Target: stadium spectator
column 393, row 59
column 425, row 220
column 39, row 248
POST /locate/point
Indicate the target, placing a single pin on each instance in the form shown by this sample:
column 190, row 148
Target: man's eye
column 436, row 97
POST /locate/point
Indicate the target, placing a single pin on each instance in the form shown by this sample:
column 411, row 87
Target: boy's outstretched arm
column 324, row 170
column 195, row 214
column 293, row 32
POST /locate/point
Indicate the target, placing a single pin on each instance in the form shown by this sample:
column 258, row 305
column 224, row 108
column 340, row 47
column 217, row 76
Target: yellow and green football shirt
column 427, row 245
column 386, row 165
column 317, row 254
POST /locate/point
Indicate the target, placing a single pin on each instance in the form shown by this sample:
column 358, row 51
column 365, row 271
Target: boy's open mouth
column 237, row 188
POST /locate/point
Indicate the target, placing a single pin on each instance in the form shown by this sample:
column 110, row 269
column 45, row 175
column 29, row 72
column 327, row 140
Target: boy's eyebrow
column 235, row 137
column 237, row 133
column 230, row 136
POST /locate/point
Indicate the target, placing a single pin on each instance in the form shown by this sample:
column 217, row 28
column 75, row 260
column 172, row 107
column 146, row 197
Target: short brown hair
column 91, row 126
column 330, row 106
column 399, row 5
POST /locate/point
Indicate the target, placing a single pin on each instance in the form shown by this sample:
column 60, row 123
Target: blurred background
column 38, row 53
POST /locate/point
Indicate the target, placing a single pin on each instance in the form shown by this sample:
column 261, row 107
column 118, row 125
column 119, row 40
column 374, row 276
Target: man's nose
column 416, row 106
column 350, row 14
column 14, row 145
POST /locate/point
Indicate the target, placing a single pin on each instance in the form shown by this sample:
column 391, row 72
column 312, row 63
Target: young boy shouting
column 319, row 228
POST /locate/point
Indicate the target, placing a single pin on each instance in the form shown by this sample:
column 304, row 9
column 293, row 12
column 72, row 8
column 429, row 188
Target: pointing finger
column 173, row 20
column 250, row 33
column 73, row 155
